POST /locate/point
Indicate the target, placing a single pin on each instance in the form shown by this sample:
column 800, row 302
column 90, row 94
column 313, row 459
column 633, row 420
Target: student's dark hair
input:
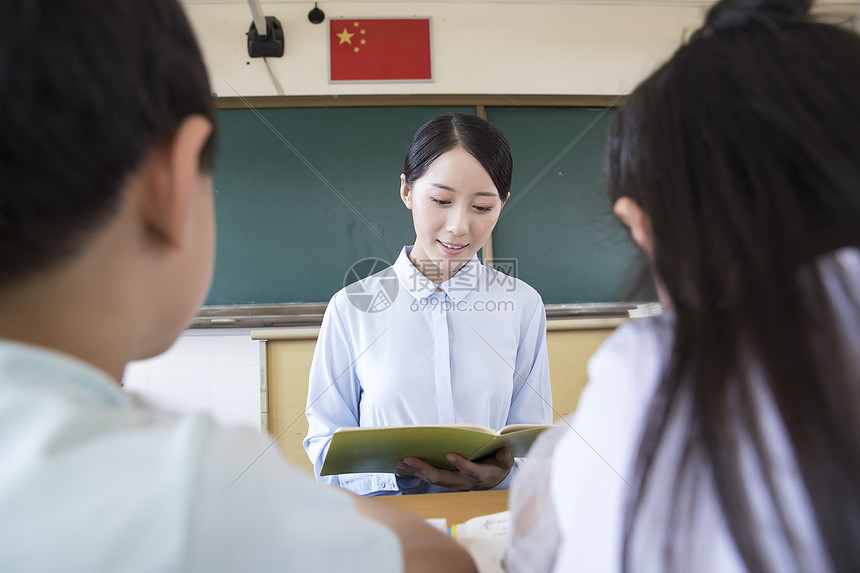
column 477, row 136
column 744, row 151
column 87, row 89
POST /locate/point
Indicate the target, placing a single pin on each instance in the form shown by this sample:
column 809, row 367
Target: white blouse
column 568, row 504
column 92, row 480
column 398, row 349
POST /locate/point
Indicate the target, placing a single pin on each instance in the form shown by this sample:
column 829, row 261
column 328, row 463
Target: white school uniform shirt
column 91, row 480
column 397, row 349
column 568, row 505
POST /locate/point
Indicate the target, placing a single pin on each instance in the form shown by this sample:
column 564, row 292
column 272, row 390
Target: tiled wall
column 214, row 370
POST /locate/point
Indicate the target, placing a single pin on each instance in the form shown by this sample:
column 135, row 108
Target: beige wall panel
column 289, row 363
column 569, row 352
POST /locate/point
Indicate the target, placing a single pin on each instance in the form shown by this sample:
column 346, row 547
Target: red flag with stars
column 386, row 49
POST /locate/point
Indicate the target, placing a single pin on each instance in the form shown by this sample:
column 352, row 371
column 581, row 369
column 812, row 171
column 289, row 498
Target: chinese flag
column 380, row 49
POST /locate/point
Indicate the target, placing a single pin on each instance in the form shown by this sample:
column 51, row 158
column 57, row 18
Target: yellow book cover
column 377, row 450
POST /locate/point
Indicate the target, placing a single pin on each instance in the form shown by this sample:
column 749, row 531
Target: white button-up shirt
column 90, row 480
column 397, row 349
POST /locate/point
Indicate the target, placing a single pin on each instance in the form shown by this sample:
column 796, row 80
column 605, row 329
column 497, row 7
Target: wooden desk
column 456, row 507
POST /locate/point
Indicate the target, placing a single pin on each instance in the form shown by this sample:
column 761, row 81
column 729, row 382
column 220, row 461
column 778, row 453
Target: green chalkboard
column 302, row 194
column 558, row 224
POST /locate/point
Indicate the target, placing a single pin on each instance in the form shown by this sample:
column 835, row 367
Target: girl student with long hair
column 723, row 435
column 448, row 340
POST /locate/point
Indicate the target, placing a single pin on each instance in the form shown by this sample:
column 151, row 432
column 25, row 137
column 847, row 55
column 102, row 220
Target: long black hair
column 744, row 152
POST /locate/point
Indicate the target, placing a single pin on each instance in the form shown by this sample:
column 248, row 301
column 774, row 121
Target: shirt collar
column 457, row 287
column 66, row 373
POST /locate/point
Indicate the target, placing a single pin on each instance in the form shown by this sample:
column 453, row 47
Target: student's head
column 93, row 93
column 736, row 165
column 456, row 177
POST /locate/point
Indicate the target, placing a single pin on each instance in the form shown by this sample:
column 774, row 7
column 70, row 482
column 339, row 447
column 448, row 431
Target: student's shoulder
column 622, row 377
column 241, row 467
column 633, row 356
column 653, row 332
column 247, row 492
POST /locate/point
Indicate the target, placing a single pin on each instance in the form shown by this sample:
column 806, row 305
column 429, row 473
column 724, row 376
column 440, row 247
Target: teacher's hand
column 485, row 474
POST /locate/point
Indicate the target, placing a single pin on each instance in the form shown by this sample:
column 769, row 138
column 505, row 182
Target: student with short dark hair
column 106, row 252
column 723, row 435
column 442, row 339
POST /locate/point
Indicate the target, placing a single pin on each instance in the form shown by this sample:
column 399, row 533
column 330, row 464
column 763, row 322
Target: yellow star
column 356, row 24
column 345, row 37
column 363, row 41
column 356, row 49
column 363, row 32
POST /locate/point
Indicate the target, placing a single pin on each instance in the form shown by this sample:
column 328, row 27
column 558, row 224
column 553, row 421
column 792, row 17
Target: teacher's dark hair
column 87, row 89
column 744, row 151
column 477, row 136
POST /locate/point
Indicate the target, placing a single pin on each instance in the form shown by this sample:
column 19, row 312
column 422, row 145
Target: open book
column 377, row 450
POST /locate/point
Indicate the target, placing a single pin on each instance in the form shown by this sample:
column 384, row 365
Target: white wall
column 477, row 47
column 208, row 370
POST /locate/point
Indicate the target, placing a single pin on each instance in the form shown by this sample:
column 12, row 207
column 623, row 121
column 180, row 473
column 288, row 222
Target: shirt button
column 438, row 290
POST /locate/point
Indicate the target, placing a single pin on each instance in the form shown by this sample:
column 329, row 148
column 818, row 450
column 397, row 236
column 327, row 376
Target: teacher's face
column 455, row 206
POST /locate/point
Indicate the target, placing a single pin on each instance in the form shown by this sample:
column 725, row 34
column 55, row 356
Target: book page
column 518, row 427
column 485, row 538
column 470, row 427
